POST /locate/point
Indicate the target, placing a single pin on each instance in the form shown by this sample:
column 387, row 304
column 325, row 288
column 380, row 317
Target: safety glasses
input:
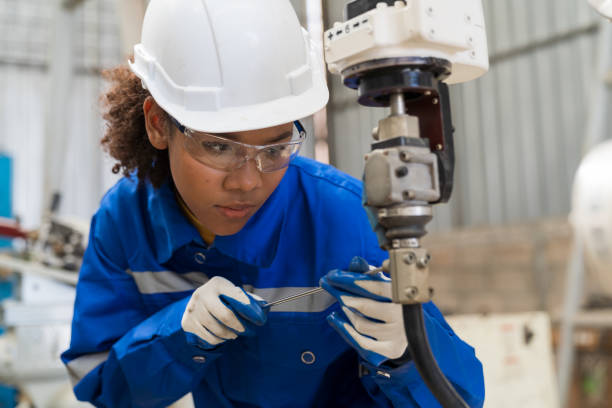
column 228, row 155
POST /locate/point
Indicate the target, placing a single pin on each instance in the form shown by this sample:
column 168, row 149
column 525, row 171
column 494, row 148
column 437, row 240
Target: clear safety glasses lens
column 227, row 155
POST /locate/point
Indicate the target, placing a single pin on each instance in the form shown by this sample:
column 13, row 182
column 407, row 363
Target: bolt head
column 401, row 171
column 411, row 292
column 409, row 258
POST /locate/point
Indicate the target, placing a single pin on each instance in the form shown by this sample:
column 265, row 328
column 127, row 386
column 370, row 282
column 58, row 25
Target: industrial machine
column 37, row 291
column 402, row 55
column 591, row 215
column 603, row 7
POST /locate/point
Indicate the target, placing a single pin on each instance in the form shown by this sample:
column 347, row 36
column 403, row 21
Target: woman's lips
column 235, row 211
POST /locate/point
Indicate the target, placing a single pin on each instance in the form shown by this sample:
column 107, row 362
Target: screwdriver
column 312, row 291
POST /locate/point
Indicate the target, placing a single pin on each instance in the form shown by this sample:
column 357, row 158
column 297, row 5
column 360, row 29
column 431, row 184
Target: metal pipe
column 397, row 104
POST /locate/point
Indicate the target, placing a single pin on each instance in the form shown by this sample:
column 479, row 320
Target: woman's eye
column 216, row 147
column 275, row 151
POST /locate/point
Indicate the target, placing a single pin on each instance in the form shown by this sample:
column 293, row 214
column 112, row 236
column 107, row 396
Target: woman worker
column 216, row 214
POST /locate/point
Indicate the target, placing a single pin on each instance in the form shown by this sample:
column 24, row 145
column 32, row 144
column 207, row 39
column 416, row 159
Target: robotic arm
column 402, row 55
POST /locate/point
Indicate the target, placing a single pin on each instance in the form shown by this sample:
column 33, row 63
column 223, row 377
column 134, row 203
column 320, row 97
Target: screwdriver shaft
column 311, row 291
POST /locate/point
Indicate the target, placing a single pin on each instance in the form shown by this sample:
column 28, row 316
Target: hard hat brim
column 244, row 118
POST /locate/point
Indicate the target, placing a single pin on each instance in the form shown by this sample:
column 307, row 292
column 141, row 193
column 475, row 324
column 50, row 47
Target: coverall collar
column 255, row 244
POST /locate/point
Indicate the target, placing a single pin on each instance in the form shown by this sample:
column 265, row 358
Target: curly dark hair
column 125, row 138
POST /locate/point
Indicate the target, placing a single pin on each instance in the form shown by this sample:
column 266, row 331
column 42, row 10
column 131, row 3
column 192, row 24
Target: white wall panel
column 25, row 35
column 21, row 136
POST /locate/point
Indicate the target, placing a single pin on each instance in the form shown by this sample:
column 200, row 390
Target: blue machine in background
column 6, row 178
column 8, row 394
column 6, row 165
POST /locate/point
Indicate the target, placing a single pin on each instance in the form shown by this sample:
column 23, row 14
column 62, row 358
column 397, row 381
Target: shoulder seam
column 345, row 186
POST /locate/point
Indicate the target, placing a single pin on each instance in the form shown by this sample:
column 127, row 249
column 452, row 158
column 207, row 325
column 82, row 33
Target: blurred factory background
column 503, row 248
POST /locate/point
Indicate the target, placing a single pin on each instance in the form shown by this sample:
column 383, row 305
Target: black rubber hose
column 424, row 359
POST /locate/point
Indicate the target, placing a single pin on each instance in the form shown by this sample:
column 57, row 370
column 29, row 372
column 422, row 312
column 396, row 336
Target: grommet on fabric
column 200, row 258
column 383, row 374
column 308, row 357
column 199, row 359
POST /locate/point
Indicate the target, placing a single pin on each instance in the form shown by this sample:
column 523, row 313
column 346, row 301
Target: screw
column 423, row 262
column 405, row 156
column 409, row 195
column 409, row 258
column 401, row 171
column 427, row 93
column 435, row 101
column 439, row 147
column 411, row 292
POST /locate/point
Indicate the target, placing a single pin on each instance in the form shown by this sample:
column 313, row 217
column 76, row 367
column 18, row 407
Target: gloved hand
column 219, row 311
column 375, row 326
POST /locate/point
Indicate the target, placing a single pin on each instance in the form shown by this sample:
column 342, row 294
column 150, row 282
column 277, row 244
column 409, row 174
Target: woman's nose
column 245, row 178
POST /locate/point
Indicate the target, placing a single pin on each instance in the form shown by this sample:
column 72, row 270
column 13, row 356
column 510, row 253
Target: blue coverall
column 144, row 260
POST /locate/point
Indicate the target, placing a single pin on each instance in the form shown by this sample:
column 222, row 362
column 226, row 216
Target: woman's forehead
column 261, row 136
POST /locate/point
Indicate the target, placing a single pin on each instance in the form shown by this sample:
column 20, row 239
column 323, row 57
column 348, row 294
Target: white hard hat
column 592, row 211
column 229, row 65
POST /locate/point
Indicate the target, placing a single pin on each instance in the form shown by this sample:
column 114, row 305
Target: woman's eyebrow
column 275, row 139
column 280, row 137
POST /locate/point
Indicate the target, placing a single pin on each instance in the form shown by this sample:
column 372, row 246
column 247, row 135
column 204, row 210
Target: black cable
column 424, row 360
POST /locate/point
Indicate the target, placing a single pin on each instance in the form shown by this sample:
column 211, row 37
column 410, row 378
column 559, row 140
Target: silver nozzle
column 397, row 104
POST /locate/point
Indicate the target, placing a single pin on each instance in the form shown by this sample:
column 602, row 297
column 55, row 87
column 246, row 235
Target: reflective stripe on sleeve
column 81, row 366
column 308, row 304
column 150, row 283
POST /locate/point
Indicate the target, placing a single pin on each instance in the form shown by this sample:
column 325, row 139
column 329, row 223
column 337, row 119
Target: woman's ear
column 155, row 122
